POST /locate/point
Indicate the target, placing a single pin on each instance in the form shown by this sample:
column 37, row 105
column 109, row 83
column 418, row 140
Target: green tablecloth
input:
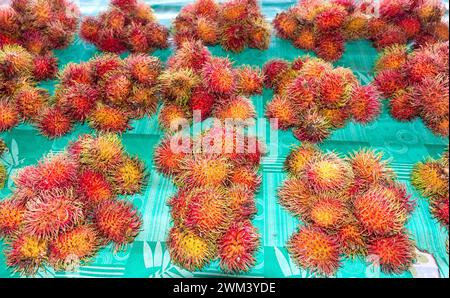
column 405, row 143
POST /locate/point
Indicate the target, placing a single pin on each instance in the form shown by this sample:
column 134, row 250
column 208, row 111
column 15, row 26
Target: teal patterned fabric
column 403, row 143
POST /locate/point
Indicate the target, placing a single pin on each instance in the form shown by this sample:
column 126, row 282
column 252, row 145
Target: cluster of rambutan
column 430, row 178
column 197, row 82
column 3, row 171
column 313, row 98
column 217, row 176
column 39, row 26
column 126, row 25
column 234, row 24
column 66, row 208
column 350, row 207
column 106, row 91
column 323, row 26
column 416, row 84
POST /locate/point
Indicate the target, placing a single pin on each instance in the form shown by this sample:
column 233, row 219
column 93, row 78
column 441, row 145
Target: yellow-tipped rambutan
column 178, row 85
column 249, row 80
column 241, row 201
column 27, row 254
column 237, row 109
column 245, row 176
column 305, row 39
column 31, row 101
column 207, row 30
column 369, row 168
column 93, row 187
column 9, row 116
column 108, row 119
column 430, row 178
column 189, row 250
column 15, row 61
column 218, row 75
column 129, row 177
column 403, row 105
column 237, row 247
column 393, row 57
column 204, row 170
column 365, row 103
column 103, row 153
column 297, row 198
column 117, row 221
column 286, row 24
column 169, row 156
column 298, row 158
column 280, row 109
column 356, row 27
column 314, row 250
column 329, row 213
column 352, row 240
column 11, row 217
column 172, row 116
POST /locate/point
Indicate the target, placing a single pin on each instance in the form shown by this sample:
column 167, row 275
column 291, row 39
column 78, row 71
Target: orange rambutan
column 352, row 240
column 204, row 170
column 330, row 47
column 440, row 31
column 334, row 90
column 52, row 212
column 117, row 87
column 55, row 171
column 258, row 34
column 9, row 116
column 11, row 217
column 430, row 11
column 330, row 18
column 282, row 111
column 15, row 61
column 74, row 247
column 237, row 247
column 432, row 97
column 168, row 159
column 396, row 253
column 297, row 198
column 380, row 211
column 238, row 109
column 103, row 64
column 137, row 39
column 365, row 103
column 440, row 211
column 189, row 250
column 245, row 176
column 103, row 152
column 369, row 168
column 233, row 37
column 312, row 127
column 305, row 39
column 376, row 27
column 218, row 75
column 178, row 85
column 89, row 29
column 117, row 221
column 31, row 101
column 272, row 71
column 328, row 172
column 329, row 213
column 392, row 58
column 26, row 254
column 172, row 117
column 423, row 65
column 145, row 69
column 249, row 80
column 192, row 54
column 356, row 27
column 302, row 92
column 93, row 187
column 76, row 74
column 390, row 81
column 312, row 249
column 286, row 24
column 403, row 105
column 298, row 158
column 129, row 177
column 54, row 123
column 78, row 100
column 207, row 30
column 108, row 119
column 241, row 202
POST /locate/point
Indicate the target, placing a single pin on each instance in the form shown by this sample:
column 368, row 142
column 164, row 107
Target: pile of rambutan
column 217, row 176
column 39, row 26
column 66, row 208
column 351, row 207
column 313, row 98
column 430, row 179
column 323, row 26
column 197, row 85
column 106, row 92
column 3, row 171
column 127, row 25
column 416, row 84
column 234, row 24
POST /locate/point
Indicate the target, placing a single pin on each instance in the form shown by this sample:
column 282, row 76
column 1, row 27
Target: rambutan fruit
column 55, row 171
column 296, row 197
column 89, row 29
column 356, row 27
column 440, row 211
column 369, row 168
column 238, row 246
column 258, row 34
column 337, row 117
column 192, row 54
column 312, row 249
column 93, row 187
column 241, row 201
column 15, row 61
column 26, row 254
column 218, row 75
column 78, row 100
column 249, row 80
column 305, row 39
column 391, row 36
column 207, row 30
column 286, row 24
column 245, row 176
column 9, row 116
column 411, row 26
column 76, row 74
column 77, row 245
column 403, row 105
column 168, row 159
column 315, row 68
column 189, row 250
column 52, row 212
column 422, row 65
column 439, row 126
column 137, row 39
column 430, row 179
column 272, row 71
column 106, row 63
column 312, row 127
column 330, row 47
column 392, row 58
column 157, row 35
column 54, row 123
column 117, row 221
column 396, row 253
column 380, row 212
column 145, row 69
column 365, row 103
column 328, row 172
column 392, row 9
column 31, row 101
column 108, row 119
column 107, row 42
column 329, row 213
column 281, row 110
column 129, row 177
column 201, row 170
column 440, row 30
column 302, row 92
column 11, row 217
column 103, row 152
column 125, row 5
column 352, row 240
column 117, row 87
column 233, row 37
column 172, row 116
column 238, row 109
column 177, row 85
column 8, row 19
column 207, row 213
column 430, row 11
column 45, row 67
column 298, row 157
column 330, row 19
column 432, row 96
column 376, row 27
column 202, row 101
column 390, row 81
column 334, row 90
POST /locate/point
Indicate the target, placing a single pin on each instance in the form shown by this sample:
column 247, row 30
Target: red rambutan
column 330, row 47
column 389, row 82
column 305, row 39
column 53, row 123
column 78, row 100
column 440, row 211
column 202, row 101
column 245, row 176
column 281, row 110
column 145, row 69
column 76, row 74
column 109, row 119
column 168, row 159
column 302, row 92
column 172, row 116
column 45, row 67
column 272, row 71
column 286, row 24
column 392, row 9
column 249, row 80
column 204, row 171
column 330, row 19
column 93, row 187
column 218, row 75
column 312, row 127
column 391, row 36
column 365, row 103
column 411, row 26
column 403, row 105
column 90, row 28
column 241, row 201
